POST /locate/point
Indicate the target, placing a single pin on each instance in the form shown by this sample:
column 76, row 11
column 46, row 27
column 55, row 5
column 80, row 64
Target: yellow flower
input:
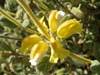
column 38, row 46
column 37, row 52
column 68, row 28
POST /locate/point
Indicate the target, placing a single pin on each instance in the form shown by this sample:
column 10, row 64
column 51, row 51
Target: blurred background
column 12, row 62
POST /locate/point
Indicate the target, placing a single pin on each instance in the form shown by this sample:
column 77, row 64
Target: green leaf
column 9, row 17
column 60, row 71
column 10, row 5
column 44, row 65
column 7, row 23
column 41, row 4
column 4, row 46
column 97, row 51
column 1, row 29
column 95, row 67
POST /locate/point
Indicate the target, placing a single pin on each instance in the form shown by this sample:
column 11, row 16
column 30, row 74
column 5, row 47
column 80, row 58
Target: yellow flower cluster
column 37, row 46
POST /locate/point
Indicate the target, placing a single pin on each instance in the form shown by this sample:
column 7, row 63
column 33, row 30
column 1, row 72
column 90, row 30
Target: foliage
column 15, row 25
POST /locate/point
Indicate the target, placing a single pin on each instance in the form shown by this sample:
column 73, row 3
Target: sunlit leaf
column 9, row 17
column 95, row 67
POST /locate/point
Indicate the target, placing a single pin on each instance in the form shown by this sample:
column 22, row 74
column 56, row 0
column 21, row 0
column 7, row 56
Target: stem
column 6, row 37
column 9, row 17
column 79, row 58
column 33, row 18
column 14, row 53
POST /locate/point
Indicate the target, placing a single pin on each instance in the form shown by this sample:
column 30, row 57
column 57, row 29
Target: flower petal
column 43, row 27
column 68, row 28
column 53, row 21
column 53, row 58
column 53, row 18
column 37, row 52
column 28, row 42
column 58, row 52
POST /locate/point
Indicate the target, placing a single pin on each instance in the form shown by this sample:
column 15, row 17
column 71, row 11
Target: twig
column 13, row 38
column 80, row 58
column 9, row 53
